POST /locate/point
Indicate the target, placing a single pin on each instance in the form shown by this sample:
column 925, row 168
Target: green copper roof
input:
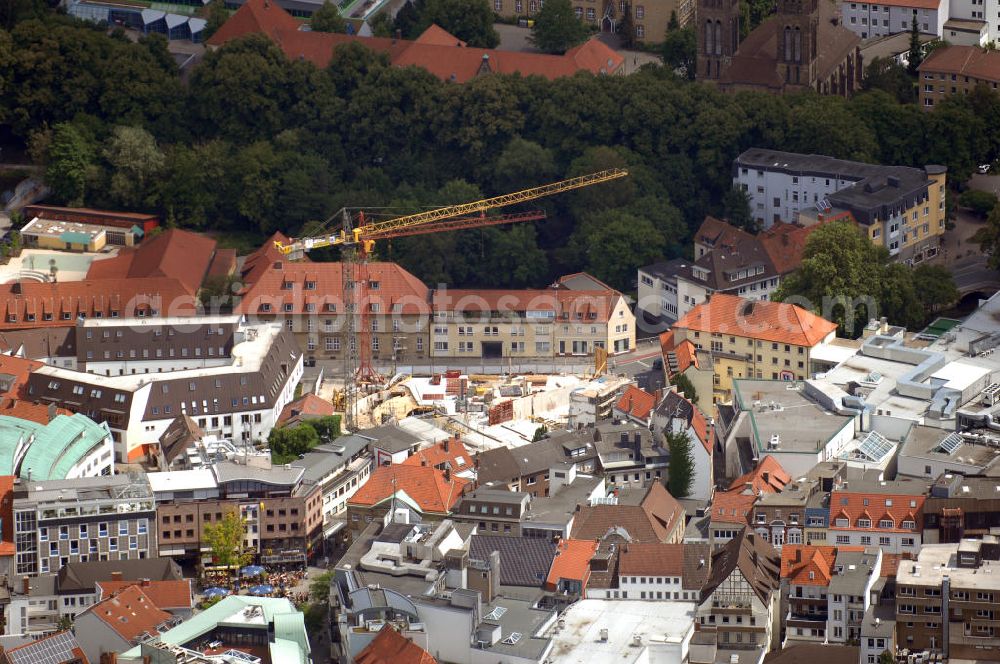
column 55, row 448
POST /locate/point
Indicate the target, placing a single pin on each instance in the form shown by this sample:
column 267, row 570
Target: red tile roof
column 27, row 410
column 732, row 507
column 391, row 647
column 308, row 405
column 654, row 519
column 895, row 507
column 166, row 595
column 31, row 304
column 684, row 353
column 767, row 477
column 273, row 284
column 20, row 369
column 130, row 613
column 456, row 456
column 651, row 559
column 636, row 403
column 965, row 60
column 757, row 319
column 424, row 485
column 890, row 565
column 565, row 304
column 174, row 254
column 805, row 565
column 784, row 243
column 572, row 562
column 436, row 51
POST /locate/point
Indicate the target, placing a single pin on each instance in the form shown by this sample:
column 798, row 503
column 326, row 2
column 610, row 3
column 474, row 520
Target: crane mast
column 358, row 241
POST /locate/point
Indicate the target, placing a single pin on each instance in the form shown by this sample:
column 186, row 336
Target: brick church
column 801, row 46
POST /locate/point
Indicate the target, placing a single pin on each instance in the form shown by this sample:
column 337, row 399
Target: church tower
column 797, row 24
column 717, row 26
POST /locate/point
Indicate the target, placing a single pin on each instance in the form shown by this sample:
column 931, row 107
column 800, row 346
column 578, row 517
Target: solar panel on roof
column 951, row 443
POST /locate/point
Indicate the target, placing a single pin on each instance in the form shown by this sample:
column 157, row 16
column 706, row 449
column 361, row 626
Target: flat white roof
column 658, row 623
column 960, row 375
column 833, row 353
column 182, row 480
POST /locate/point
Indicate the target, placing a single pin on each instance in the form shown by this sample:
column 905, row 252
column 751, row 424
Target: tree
column 540, row 433
column 680, row 474
column 408, row 18
column 215, row 15
column 70, row 161
column 899, row 301
column 684, row 386
column 673, row 23
column 886, row 658
column 136, row 163
column 556, row 28
column 981, row 203
column 626, row 28
column 287, row 443
column 469, row 20
column 680, row 52
column 736, row 210
column 890, row 77
column 319, row 588
column 327, row 428
column 915, row 55
column 935, row 286
column 988, row 238
column 225, row 540
column 840, row 277
column 327, row 19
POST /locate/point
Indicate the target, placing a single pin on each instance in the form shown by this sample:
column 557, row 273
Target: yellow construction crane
column 358, row 240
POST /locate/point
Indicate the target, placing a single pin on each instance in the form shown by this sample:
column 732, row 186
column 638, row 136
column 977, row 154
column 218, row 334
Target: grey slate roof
column 83, row 577
column 524, row 561
column 391, row 438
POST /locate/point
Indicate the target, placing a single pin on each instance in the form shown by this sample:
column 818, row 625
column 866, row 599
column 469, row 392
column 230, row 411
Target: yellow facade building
column 742, row 338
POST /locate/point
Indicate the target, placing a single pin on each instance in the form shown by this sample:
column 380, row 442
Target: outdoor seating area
column 256, row 580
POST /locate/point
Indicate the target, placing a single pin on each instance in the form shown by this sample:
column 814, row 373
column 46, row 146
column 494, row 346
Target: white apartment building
column 888, row 17
column 240, row 399
column 970, row 14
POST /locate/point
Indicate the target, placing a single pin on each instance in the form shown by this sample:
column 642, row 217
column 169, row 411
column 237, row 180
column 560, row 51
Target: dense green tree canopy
column 469, row 20
column 327, row 19
column 556, row 28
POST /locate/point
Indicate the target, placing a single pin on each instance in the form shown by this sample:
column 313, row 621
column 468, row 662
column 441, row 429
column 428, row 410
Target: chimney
column 52, row 412
column 447, row 475
column 798, row 555
column 144, row 583
column 445, row 444
column 116, row 576
column 624, row 435
column 26, row 588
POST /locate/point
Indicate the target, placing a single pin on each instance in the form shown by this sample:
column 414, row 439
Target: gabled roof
column 732, row 252
column 853, row 505
column 767, row 477
column 391, row 647
column 636, row 403
column 651, row 559
column 563, row 303
column 166, row 595
column 732, row 507
column 524, row 561
column 448, row 453
column 805, row 565
column 784, row 243
column 572, row 562
column 675, row 406
column 652, row 520
column 19, row 369
column 966, row 60
column 173, row 254
column 424, row 485
column 757, row 319
column 435, row 51
column 130, row 613
column 756, row 560
column 76, row 577
column 306, row 406
column 57, row 648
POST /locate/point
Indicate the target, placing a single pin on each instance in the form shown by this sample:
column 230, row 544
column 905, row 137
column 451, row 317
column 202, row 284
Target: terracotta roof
column 19, row 369
column 437, row 35
column 424, row 485
column 890, row 565
column 566, row 304
column 784, row 243
column 391, row 647
column 61, row 304
column 732, row 507
column 174, row 254
column 965, row 60
column 451, row 452
column 308, row 405
column 314, row 288
column 166, row 595
column 130, row 613
column 264, row 258
column 572, row 562
column 875, row 507
column 757, row 561
column 651, row 559
column 805, row 565
column 31, row 411
column 767, row 477
column 652, row 520
column 223, row 263
column 636, row 403
column 757, row 319
column 919, row 4
column 435, row 51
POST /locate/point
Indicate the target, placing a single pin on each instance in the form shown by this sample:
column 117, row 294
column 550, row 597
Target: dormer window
column 886, row 523
column 310, row 285
column 265, row 307
column 864, row 523
column 287, row 285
